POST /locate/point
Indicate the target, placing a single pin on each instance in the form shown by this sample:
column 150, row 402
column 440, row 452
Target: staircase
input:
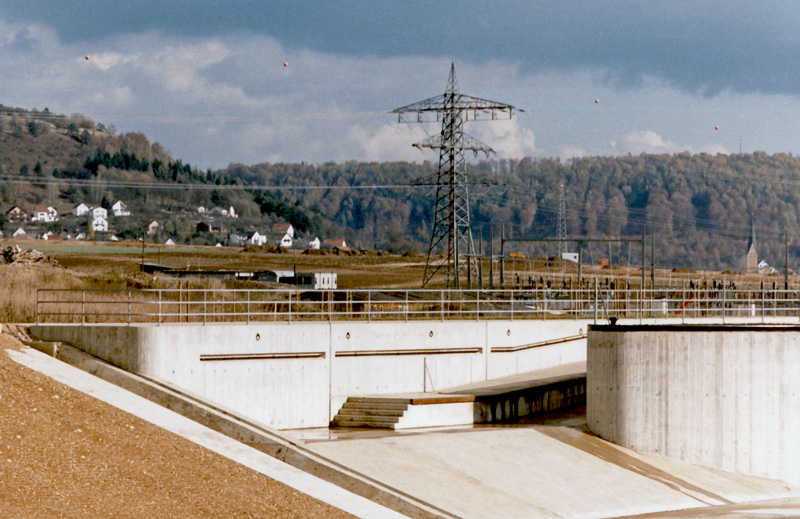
column 371, row 412
column 408, row 411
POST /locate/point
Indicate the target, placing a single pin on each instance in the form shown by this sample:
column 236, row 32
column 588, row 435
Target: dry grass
column 20, row 285
column 117, row 267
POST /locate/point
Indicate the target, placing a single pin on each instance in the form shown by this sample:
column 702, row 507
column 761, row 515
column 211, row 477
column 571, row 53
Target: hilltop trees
column 697, row 207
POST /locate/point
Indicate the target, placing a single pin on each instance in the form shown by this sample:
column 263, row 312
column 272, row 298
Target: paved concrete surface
column 540, row 471
column 520, row 381
column 774, row 509
column 468, row 392
column 234, row 450
column 549, row 467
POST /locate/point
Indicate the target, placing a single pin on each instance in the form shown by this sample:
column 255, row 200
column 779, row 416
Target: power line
column 13, row 179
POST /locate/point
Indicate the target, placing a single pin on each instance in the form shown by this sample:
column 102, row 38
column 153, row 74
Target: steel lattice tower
column 451, row 210
column 561, row 230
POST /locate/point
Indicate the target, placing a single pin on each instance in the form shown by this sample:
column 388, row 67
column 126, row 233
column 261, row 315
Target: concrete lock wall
column 298, row 375
column 722, row 397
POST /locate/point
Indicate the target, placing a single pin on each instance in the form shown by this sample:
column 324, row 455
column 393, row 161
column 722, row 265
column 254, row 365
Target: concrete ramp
column 541, row 471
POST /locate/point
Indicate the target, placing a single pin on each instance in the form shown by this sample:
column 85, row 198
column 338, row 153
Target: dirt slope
column 66, row 454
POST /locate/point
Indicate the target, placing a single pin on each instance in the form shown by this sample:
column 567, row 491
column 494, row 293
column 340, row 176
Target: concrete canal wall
column 726, row 397
column 298, row 375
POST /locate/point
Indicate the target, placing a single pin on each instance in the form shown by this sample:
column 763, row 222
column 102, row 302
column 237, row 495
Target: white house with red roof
column 44, row 214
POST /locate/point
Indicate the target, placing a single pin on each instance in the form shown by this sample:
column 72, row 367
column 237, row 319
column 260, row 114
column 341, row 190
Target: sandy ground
column 66, row 454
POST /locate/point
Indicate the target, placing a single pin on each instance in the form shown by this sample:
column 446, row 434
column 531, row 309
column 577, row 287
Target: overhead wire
column 14, row 179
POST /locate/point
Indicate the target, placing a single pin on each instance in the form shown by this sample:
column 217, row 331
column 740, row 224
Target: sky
column 265, row 81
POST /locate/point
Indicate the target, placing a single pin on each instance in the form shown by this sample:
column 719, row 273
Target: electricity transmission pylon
column 451, row 210
column 561, row 229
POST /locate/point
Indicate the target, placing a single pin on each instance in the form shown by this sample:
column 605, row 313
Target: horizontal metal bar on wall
column 257, row 356
column 380, row 353
column 509, row 349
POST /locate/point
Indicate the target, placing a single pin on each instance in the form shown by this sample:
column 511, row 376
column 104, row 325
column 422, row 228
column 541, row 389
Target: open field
column 93, row 265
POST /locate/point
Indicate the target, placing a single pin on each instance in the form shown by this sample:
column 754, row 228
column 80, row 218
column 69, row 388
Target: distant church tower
column 752, row 255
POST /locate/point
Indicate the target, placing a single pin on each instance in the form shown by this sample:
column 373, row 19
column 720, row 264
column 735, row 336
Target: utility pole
column 144, row 234
column 480, row 259
column 451, row 226
column 644, row 260
column 503, row 256
column 652, row 261
column 786, row 261
column 491, row 257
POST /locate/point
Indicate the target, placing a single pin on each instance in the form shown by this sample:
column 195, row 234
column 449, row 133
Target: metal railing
column 244, row 306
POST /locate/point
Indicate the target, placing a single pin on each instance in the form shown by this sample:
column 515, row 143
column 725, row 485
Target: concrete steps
column 405, row 411
column 369, row 413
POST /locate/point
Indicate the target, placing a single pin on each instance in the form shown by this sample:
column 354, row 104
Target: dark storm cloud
column 699, row 46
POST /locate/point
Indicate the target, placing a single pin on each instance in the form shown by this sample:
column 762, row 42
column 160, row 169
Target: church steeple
column 752, row 254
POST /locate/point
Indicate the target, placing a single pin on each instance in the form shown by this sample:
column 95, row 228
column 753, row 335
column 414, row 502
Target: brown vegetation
column 117, row 267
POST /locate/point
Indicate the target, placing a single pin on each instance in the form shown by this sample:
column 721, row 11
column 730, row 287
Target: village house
column 284, row 228
column 207, row 227
column 236, row 240
column 314, row 243
column 280, row 239
column 120, row 209
column 282, row 235
column 257, row 239
column 220, row 211
column 44, row 214
column 81, row 210
column 100, row 224
column 99, row 212
column 19, row 233
column 335, row 243
column 152, row 228
column 17, row 214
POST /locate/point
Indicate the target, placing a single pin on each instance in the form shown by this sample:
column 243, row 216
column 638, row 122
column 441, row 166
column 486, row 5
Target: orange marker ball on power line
column 285, row 64
column 716, row 127
column 596, row 101
column 87, row 58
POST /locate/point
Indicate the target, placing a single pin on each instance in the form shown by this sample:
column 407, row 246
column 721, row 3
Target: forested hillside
column 698, row 207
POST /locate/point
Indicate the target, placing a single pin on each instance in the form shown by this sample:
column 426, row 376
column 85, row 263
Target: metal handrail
column 255, row 305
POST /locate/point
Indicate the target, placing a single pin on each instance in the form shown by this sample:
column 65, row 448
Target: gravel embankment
column 65, row 454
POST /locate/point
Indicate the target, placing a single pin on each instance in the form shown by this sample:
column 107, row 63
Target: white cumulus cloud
column 506, row 137
column 642, row 141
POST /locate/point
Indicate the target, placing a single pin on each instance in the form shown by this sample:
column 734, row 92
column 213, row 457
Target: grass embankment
column 19, row 286
column 112, row 267
column 91, row 265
